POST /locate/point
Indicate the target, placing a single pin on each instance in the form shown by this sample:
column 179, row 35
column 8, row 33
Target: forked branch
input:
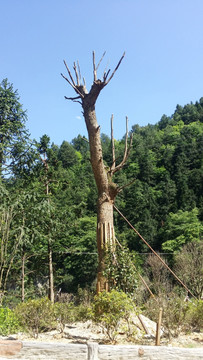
column 115, row 168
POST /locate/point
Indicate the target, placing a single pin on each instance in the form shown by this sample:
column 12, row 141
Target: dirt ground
column 87, row 331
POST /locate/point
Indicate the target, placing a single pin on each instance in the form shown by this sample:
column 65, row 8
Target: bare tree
column 107, row 189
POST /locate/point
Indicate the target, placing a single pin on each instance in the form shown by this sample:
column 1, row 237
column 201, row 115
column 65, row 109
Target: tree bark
column 23, row 277
column 106, row 195
column 51, row 274
column 50, row 257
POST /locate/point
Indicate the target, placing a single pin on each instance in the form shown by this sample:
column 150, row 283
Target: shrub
column 36, row 315
column 194, row 316
column 120, row 269
column 65, row 313
column 83, row 312
column 191, row 275
column 84, row 296
column 8, row 321
column 174, row 313
column 109, row 308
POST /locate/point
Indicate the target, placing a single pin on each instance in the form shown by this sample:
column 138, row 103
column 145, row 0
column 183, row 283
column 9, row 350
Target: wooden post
column 92, row 351
column 158, row 327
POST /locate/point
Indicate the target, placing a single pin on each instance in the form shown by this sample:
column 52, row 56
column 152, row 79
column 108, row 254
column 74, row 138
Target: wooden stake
column 158, row 328
column 92, row 349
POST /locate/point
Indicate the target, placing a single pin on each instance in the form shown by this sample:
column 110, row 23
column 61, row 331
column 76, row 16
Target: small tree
column 43, row 149
column 181, row 228
column 107, row 189
column 109, row 309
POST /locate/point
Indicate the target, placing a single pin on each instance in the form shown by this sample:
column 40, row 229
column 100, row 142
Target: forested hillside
column 48, row 198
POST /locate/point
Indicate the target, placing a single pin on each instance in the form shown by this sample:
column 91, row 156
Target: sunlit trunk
column 23, row 277
column 51, row 275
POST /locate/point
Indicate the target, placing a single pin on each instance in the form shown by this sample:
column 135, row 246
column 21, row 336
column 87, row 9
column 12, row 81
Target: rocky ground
column 81, row 332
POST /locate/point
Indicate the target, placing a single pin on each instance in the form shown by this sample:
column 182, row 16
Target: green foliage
column 41, row 315
column 9, row 323
column 36, row 315
column 181, row 228
column 109, row 308
column 188, row 266
column 178, row 315
column 65, row 313
column 165, row 159
column 67, row 155
column 121, row 269
column 194, row 316
column 13, row 135
column 174, row 312
column 80, row 257
column 80, row 143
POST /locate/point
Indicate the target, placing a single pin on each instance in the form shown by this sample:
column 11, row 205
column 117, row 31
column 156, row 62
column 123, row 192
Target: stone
column 10, row 347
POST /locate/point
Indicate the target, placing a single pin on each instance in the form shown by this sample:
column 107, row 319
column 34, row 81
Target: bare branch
column 126, row 138
column 112, row 145
column 106, row 75
column 73, row 82
column 76, row 74
column 126, row 151
column 68, row 80
column 73, row 86
column 85, row 139
column 94, row 67
column 118, row 157
column 126, row 185
column 100, row 60
column 79, row 70
column 116, row 68
column 74, row 99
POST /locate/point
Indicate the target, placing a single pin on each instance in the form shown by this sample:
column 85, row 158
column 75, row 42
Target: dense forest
column 48, row 199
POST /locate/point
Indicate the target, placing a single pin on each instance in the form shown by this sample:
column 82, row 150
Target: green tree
column 78, row 258
column 181, row 228
column 13, row 135
column 67, row 155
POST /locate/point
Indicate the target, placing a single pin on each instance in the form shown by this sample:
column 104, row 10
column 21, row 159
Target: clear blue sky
column 163, row 67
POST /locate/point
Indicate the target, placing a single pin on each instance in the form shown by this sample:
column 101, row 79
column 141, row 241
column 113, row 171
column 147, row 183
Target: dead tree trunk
column 107, row 189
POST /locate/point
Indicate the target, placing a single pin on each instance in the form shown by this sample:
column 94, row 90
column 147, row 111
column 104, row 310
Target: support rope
column 154, row 252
